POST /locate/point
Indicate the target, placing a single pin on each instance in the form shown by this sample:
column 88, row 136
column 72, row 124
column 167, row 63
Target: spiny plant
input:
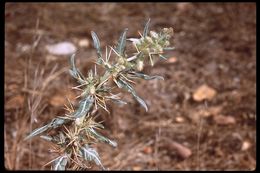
column 74, row 134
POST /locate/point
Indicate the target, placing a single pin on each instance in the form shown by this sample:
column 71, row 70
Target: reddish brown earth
column 184, row 129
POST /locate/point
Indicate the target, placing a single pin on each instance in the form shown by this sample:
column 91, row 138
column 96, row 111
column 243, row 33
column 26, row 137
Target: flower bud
column 92, row 90
column 79, row 121
column 121, row 60
column 154, row 34
column 149, row 39
column 140, row 65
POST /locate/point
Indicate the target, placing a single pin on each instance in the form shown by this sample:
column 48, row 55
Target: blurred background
column 201, row 117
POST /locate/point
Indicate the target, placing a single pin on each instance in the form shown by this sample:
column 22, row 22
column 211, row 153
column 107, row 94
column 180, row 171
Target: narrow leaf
column 163, row 57
column 38, row 131
column 169, row 48
column 50, row 138
column 60, row 163
column 101, row 137
column 57, row 122
column 84, row 107
column 135, row 40
column 96, row 44
column 129, row 88
column 118, row 101
column 121, row 43
column 47, row 138
column 90, row 154
column 146, row 77
column 141, row 101
column 146, row 28
column 74, row 72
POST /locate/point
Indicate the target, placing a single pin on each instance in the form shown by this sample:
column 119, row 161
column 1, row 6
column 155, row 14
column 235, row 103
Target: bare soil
column 215, row 46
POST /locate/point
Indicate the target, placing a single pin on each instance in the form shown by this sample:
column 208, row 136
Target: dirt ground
column 215, row 46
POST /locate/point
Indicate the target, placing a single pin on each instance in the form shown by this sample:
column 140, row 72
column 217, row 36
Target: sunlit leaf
column 90, row 154
column 134, row 40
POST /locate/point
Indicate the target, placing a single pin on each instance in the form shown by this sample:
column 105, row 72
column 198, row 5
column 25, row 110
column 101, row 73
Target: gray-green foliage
column 77, row 131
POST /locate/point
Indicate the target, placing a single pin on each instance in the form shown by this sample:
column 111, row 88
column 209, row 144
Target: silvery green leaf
column 60, row 163
column 141, row 101
column 50, row 138
column 129, row 88
column 169, row 48
column 116, row 99
column 38, row 131
column 57, row 122
column 146, row 77
column 61, row 137
column 90, row 73
column 121, row 102
column 121, row 43
column 96, row 44
column 74, row 72
column 134, row 40
column 100, row 125
column 146, row 28
column 47, row 138
column 101, row 137
column 84, row 107
column 163, row 57
column 137, row 55
column 90, row 154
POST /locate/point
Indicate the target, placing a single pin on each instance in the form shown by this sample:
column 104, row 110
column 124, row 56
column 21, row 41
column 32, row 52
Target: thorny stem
column 75, row 141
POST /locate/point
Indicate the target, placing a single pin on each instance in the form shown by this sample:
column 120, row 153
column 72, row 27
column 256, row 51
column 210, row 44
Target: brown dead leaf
column 15, row 102
column 224, row 120
column 204, row 92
